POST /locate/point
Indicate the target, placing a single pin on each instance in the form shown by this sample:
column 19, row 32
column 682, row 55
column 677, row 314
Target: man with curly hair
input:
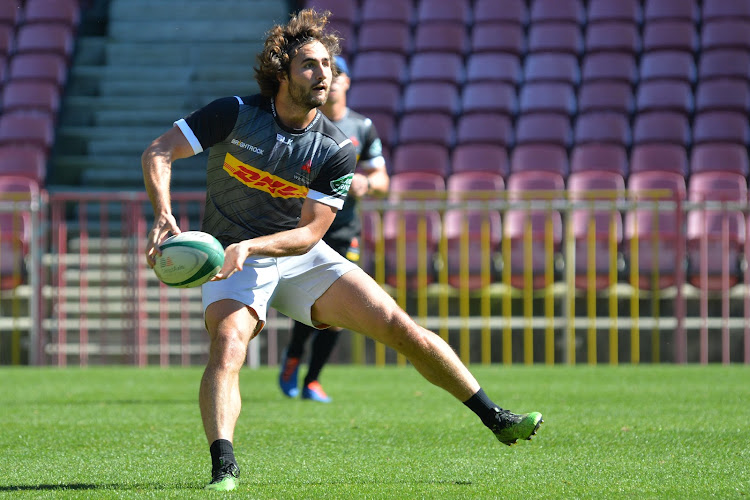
column 277, row 172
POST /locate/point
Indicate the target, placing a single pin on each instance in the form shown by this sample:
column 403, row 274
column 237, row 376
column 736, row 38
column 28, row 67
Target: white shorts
column 291, row 285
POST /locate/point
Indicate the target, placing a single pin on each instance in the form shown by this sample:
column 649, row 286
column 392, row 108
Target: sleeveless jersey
column 259, row 171
column 361, row 131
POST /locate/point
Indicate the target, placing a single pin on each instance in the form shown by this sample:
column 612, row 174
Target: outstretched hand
column 234, row 256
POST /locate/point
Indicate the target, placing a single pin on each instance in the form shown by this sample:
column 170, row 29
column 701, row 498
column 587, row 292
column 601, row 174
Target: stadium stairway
column 156, row 61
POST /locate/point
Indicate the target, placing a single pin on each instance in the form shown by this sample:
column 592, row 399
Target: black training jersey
column 361, row 131
column 259, row 172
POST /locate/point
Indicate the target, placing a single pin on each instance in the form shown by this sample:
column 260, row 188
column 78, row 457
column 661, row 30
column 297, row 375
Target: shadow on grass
column 91, row 486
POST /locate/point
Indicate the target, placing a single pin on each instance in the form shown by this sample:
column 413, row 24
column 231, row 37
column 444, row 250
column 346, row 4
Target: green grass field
column 610, row 432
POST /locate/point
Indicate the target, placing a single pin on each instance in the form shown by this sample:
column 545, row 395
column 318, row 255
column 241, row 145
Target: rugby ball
column 189, row 259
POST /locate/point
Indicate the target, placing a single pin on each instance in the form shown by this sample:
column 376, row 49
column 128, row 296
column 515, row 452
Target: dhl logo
column 258, row 179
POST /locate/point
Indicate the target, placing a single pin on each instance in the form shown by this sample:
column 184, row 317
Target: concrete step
column 211, row 29
column 182, row 53
column 133, row 10
column 207, row 91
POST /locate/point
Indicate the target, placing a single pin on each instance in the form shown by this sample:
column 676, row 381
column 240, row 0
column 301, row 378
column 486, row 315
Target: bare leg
column 356, row 302
column 230, row 326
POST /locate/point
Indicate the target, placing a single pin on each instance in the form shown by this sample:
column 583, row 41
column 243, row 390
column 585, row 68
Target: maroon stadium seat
column 500, row 11
column 670, row 35
column 589, row 186
column 488, row 97
column 543, row 128
column 384, row 37
column 431, row 97
column 661, row 126
column 28, row 96
column 426, row 127
column 555, row 37
column 455, row 12
column 659, row 157
column 366, row 97
column 539, row 158
column 602, row 95
column 725, row 63
column 659, row 234
column 523, row 187
column 722, row 95
column 45, row 38
column 612, row 37
column 10, row 12
column 39, row 67
column 66, row 12
column 478, row 157
column 7, row 38
column 726, row 34
column 416, row 157
column 494, row 67
column 23, row 161
column 547, row 97
column 386, row 10
column 667, row 64
column 376, row 66
column 671, row 10
column 664, row 95
column 708, row 226
column 441, row 37
column 341, row 10
column 602, row 127
column 723, row 9
column 571, row 11
column 482, row 229
column 614, row 10
column 619, row 66
column 485, row 128
column 436, row 66
column 599, row 157
column 721, row 126
column 551, row 67
column 401, row 228
column 385, row 124
column 721, row 157
column 497, row 37
column 347, row 36
column 24, row 129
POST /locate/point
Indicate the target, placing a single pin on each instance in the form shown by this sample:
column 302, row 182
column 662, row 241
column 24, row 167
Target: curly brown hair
column 283, row 42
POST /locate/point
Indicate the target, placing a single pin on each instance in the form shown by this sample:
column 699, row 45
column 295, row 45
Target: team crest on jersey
column 263, row 181
column 341, row 185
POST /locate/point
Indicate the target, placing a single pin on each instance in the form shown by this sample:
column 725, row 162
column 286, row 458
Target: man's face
column 310, row 76
column 339, row 86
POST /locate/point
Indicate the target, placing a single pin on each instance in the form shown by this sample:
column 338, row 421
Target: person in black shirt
column 371, row 178
column 278, row 171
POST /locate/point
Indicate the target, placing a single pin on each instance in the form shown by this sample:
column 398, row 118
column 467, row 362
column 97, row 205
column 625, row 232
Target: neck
column 292, row 115
column 334, row 111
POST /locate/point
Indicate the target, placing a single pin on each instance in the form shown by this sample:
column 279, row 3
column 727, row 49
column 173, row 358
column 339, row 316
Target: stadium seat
column 547, row 97
column 659, row 236
column 485, row 128
column 7, row 39
column 391, row 11
column 659, row 157
column 507, row 11
column 416, row 157
column 722, row 9
column 478, row 157
column 708, row 226
column 10, row 13
column 726, row 34
column 385, row 125
column 541, row 128
column 667, row 65
column 671, row 10
column 456, row 12
column 22, row 129
column 719, row 157
column 612, row 37
column 722, row 95
column 489, row 97
column 46, row 39
column 590, row 186
column 599, row 157
column 721, row 126
column 436, row 67
column 494, row 67
column 620, row 66
column 431, row 97
column 347, row 36
column 379, row 66
column 31, row 97
column 539, row 158
column 479, row 229
column 603, row 95
column 401, row 229
column 524, row 187
column 441, row 37
column 15, row 230
column 571, row 11
column 555, row 37
column 23, row 161
column 670, row 35
column 384, row 37
column 39, row 67
column 497, row 37
column 661, row 126
column 664, row 95
column 725, row 63
column 65, row 12
column 602, row 127
column 341, row 10
column 614, row 10
column 426, row 127
column 547, row 67
column 367, row 97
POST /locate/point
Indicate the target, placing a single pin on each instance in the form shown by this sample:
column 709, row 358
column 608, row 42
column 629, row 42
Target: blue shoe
column 288, row 376
column 314, row 392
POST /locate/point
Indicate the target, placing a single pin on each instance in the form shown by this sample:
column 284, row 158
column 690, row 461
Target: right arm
column 156, row 162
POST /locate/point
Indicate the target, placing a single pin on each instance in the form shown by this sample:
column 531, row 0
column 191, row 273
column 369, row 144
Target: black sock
column 300, row 333
column 322, row 346
column 483, row 406
column 222, row 453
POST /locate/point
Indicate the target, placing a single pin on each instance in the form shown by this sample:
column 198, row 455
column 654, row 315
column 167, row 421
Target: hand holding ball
column 189, row 259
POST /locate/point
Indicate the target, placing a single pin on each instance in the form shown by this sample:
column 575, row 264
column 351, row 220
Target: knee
column 228, row 348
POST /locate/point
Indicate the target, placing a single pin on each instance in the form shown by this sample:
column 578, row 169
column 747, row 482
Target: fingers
column 234, row 257
column 160, row 232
